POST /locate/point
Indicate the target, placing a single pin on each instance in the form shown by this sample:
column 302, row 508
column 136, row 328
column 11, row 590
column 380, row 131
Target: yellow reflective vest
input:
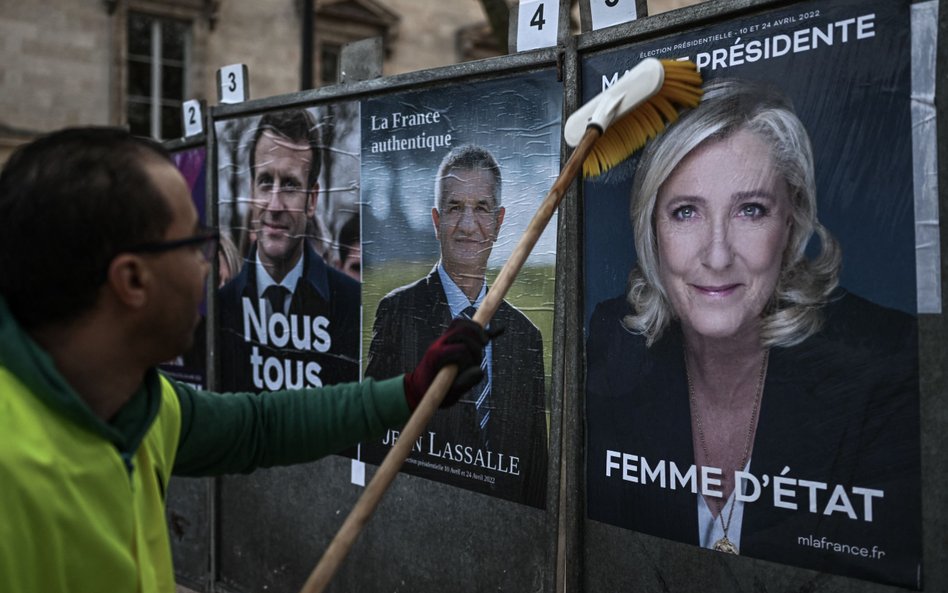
column 79, row 516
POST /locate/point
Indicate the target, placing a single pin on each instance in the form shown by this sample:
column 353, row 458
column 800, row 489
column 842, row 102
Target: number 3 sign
column 232, row 84
column 537, row 23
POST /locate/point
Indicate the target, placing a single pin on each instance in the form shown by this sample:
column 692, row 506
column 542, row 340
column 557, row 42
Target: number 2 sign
column 192, row 118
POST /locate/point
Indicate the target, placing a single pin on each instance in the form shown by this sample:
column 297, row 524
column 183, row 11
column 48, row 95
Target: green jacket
column 83, row 500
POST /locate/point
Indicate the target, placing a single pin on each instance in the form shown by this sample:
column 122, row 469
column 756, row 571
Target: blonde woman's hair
column 230, row 256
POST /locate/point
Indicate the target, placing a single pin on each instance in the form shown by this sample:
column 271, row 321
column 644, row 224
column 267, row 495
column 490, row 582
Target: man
column 90, row 432
column 506, row 416
column 287, row 320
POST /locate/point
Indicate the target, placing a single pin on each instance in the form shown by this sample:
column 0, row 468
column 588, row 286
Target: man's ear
column 128, row 277
column 311, row 197
column 500, row 220
column 436, row 221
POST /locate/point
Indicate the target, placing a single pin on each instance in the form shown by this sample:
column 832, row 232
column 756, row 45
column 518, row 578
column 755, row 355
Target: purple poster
column 191, row 366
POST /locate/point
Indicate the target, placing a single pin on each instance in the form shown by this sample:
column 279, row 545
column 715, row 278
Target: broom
column 646, row 97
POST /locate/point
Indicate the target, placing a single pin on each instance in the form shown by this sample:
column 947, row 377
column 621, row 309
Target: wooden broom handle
column 365, row 506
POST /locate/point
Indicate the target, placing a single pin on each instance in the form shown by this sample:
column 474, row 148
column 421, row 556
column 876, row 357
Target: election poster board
column 191, row 366
column 496, row 145
column 831, row 478
column 289, row 316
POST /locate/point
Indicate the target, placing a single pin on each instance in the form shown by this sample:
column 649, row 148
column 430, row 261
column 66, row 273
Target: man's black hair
column 349, row 237
column 71, row 201
column 297, row 126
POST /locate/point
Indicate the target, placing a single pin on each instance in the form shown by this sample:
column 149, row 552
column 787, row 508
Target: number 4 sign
column 537, row 24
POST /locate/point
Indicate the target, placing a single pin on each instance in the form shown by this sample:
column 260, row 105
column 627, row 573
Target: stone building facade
column 132, row 62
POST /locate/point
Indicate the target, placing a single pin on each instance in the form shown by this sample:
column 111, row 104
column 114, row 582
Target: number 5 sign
column 537, row 24
column 606, row 13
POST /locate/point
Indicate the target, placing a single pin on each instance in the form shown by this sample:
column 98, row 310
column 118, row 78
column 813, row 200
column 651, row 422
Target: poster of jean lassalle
column 752, row 355
column 288, row 301
column 450, row 179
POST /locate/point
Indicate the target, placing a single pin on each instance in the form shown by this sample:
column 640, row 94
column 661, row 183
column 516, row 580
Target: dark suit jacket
column 840, row 408
column 408, row 320
column 321, row 292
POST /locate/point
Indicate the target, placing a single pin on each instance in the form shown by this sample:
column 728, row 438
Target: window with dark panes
column 158, row 51
column 329, row 63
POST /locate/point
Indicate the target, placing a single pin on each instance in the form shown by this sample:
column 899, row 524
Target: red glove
column 461, row 344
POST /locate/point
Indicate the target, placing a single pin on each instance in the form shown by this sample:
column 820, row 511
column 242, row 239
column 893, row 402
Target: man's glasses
column 206, row 240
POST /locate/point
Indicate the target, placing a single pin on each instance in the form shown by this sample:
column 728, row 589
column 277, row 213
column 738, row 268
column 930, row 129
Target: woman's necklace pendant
column 725, row 545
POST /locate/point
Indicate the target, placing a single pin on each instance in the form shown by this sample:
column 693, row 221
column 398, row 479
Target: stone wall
column 55, row 72
column 63, row 59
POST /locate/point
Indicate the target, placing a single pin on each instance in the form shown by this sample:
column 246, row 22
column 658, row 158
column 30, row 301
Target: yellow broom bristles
column 682, row 88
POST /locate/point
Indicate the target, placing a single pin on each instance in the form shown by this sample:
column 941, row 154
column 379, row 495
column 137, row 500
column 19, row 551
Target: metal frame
column 933, row 333
column 567, row 525
column 470, row 72
column 207, row 581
